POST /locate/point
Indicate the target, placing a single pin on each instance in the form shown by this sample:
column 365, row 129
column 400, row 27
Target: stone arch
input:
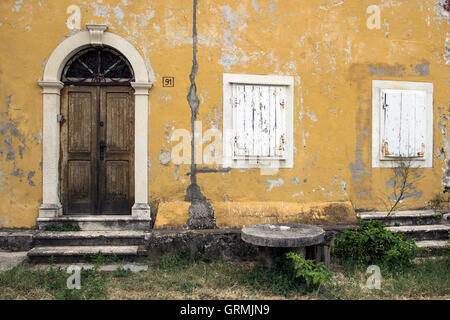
column 95, row 35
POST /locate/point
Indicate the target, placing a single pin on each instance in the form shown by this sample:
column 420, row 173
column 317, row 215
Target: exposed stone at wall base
column 213, row 243
column 201, row 216
column 210, row 243
column 16, row 240
column 201, row 213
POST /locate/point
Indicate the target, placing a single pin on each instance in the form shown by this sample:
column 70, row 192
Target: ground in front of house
column 174, row 277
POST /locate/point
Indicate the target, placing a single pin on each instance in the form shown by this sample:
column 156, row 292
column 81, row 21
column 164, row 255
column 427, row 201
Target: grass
column 22, row 282
column 99, row 259
column 427, row 279
column 176, row 277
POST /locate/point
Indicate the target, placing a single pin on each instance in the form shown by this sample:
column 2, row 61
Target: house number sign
column 168, row 81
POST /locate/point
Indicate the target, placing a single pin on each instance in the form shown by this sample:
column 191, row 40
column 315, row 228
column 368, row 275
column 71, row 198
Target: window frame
column 378, row 161
column 227, row 124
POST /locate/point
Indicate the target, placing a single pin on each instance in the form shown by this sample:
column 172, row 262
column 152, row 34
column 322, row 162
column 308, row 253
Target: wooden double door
column 97, row 150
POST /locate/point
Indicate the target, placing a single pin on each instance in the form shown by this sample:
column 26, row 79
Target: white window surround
column 267, row 162
column 95, row 35
column 378, row 161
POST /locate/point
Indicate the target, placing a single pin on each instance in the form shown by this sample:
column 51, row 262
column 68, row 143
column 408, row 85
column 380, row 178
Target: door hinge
column 385, row 105
column 60, row 118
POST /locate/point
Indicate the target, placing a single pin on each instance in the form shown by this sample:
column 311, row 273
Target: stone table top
column 285, row 235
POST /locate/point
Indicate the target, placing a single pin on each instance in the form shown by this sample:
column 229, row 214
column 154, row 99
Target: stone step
column 89, row 238
column 435, row 246
column 82, row 253
column 403, row 218
column 99, row 222
column 424, row 232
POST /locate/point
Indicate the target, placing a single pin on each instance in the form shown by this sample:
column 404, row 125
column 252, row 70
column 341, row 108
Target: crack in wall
column 201, row 213
column 193, row 192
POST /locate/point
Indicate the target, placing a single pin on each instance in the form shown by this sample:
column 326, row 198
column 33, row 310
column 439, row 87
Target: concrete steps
column 99, row 222
column 89, row 238
column 81, row 253
column 429, row 229
column 433, row 244
column 78, row 246
column 425, row 232
column 403, row 218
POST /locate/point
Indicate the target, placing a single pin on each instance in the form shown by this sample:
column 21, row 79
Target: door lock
column 102, row 146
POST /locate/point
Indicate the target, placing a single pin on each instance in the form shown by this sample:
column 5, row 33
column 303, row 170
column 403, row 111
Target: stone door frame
column 95, row 35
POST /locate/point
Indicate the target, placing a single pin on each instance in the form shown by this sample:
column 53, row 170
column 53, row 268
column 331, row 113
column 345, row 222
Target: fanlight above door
column 98, row 66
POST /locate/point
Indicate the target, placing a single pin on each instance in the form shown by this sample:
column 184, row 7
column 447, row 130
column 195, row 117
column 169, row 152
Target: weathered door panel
column 116, row 161
column 78, row 156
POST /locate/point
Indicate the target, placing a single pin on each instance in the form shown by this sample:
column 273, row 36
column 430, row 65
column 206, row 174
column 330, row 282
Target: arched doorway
column 97, row 133
column 52, row 88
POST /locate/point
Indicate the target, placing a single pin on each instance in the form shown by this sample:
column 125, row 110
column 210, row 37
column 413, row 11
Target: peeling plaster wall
column 325, row 45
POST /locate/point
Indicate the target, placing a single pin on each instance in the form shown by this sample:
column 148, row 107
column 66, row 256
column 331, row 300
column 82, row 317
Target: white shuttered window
column 402, row 127
column 257, row 121
column 259, row 117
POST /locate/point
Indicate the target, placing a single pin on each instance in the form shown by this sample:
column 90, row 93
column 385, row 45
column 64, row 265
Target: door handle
column 102, row 146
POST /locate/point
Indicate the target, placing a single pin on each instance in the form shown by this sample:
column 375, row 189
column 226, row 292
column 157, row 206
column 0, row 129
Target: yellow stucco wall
column 325, row 45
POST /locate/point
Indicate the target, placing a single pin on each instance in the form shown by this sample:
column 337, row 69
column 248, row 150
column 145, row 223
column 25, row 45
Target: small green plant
column 436, row 201
column 122, row 273
column 65, row 227
column 279, row 278
column 182, row 258
column 169, row 261
column 100, row 259
column 374, row 244
column 447, row 249
column 54, row 278
column 404, row 177
column 188, row 287
column 439, row 200
column 313, row 274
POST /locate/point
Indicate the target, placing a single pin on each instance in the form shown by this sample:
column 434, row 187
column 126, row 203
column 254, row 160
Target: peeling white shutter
column 259, row 121
column 404, row 122
column 240, row 143
column 272, row 121
column 264, row 106
column 420, row 124
column 280, row 138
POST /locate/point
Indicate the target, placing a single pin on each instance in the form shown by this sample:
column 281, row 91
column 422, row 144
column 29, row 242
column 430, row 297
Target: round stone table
column 270, row 236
